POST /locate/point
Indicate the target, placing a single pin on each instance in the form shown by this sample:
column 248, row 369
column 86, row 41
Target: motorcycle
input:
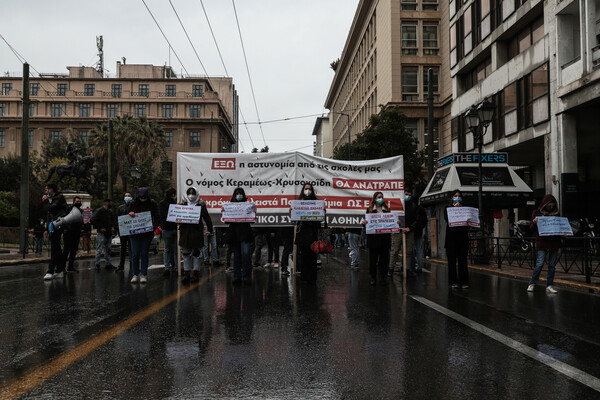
column 585, row 228
column 523, row 236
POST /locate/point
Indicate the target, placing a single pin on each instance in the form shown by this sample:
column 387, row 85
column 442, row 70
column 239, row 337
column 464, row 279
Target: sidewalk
column 13, row 257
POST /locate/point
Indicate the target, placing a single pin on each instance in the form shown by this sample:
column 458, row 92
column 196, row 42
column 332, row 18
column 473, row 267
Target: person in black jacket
column 457, row 247
column 417, row 261
column 379, row 244
column 124, row 240
column 307, row 232
column 104, row 220
column 240, row 241
column 72, row 236
column 140, row 242
column 38, row 236
column 191, row 238
column 57, row 208
column 413, row 230
column 169, row 231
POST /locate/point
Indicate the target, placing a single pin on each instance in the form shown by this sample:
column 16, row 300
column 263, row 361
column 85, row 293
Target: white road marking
column 565, row 369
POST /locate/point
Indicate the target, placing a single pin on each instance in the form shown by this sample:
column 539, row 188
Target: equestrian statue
column 77, row 167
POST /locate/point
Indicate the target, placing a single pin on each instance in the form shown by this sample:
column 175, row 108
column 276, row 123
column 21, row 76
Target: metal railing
column 578, row 255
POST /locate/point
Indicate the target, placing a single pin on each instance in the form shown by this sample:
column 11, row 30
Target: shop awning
column 502, row 187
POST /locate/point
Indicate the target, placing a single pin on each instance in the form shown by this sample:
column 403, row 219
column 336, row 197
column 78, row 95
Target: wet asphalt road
column 278, row 339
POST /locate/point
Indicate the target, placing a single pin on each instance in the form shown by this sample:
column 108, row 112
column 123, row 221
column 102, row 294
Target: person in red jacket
column 545, row 245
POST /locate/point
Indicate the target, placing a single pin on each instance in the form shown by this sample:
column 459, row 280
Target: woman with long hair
column 240, row 240
column 378, row 244
column 307, row 232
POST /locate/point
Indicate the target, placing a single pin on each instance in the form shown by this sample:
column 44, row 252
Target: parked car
column 115, row 245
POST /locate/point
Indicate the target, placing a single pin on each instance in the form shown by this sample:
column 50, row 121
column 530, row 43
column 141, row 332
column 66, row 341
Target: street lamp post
column 348, row 127
column 478, row 119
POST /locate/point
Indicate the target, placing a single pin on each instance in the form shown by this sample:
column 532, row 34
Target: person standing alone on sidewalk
column 57, row 208
column 169, row 231
column 457, row 247
column 545, row 245
column 103, row 221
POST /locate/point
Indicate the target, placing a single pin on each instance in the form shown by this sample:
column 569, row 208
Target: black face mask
column 550, row 208
column 78, row 205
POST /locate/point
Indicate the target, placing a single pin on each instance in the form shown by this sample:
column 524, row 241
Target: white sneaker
column 551, row 290
column 275, row 265
column 455, row 286
column 59, row 275
column 530, row 288
column 267, row 265
column 465, row 287
column 134, row 279
column 48, row 276
column 143, row 279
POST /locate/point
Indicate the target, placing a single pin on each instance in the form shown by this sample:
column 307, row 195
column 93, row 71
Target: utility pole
column 211, row 124
column 430, row 124
column 24, row 220
column 110, row 158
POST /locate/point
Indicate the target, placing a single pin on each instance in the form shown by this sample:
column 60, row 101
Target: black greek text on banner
column 273, row 180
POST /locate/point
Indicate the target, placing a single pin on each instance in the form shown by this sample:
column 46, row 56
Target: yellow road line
column 30, row 380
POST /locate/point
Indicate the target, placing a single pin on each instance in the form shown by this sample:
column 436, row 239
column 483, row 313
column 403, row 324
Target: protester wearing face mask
column 103, row 220
column 140, row 242
column 545, row 245
column 38, row 236
column 240, row 240
column 457, row 248
column 57, row 207
column 123, row 210
column 72, row 236
column 412, row 223
column 307, row 232
column 168, row 231
column 378, row 244
column 191, row 238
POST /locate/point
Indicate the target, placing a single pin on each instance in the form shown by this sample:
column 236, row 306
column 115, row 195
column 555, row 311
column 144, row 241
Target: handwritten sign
column 141, row 223
column 552, row 226
column 239, row 212
column 184, row 214
column 382, row 223
column 463, row 216
column 308, row 210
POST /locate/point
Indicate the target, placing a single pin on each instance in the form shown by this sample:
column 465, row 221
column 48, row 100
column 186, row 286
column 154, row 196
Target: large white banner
column 273, row 180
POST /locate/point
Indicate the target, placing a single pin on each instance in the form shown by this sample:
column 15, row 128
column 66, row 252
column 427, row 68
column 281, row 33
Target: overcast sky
column 289, row 46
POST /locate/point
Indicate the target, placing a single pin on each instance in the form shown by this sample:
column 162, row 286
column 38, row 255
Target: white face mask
column 191, row 197
column 307, row 192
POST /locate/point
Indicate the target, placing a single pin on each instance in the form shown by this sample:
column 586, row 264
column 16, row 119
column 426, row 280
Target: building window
column 30, row 138
column 84, row 136
column 34, row 88
column 84, row 110
column 197, row 91
column 194, row 110
column 477, row 74
column 140, row 110
column 170, row 91
column 116, row 90
column 167, row 110
column 6, row 88
column 112, row 110
column 409, row 5
column 435, row 80
column 168, row 168
column 409, row 40
column 2, row 136
column 2, row 109
column 195, row 139
column 143, row 91
column 430, row 5
column 61, row 89
column 31, row 110
column 89, row 89
column 430, row 40
column 169, row 139
column 410, row 84
column 56, row 110
column 411, row 126
column 526, row 38
column 55, row 135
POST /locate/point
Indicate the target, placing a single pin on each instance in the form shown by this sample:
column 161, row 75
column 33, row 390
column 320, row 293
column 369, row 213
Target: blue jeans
column 103, row 243
column 190, row 261
column 170, row 239
column 417, row 259
column 539, row 263
column 340, row 240
column 140, row 246
column 242, row 258
column 213, row 245
column 353, row 239
column 38, row 243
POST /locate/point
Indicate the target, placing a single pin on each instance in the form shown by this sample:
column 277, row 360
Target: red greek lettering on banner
column 368, row 184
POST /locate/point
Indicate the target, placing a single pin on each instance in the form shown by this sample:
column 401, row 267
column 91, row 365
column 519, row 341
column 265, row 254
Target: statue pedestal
column 86, row 198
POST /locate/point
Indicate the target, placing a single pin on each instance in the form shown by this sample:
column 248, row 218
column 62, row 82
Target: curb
column 561, row 282
column 18, row 261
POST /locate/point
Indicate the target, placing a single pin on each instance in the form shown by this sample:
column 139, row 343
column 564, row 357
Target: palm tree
column 134, row 141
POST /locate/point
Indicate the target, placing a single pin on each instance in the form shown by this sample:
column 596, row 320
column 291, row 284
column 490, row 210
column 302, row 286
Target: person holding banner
column 545, row 245
column 307, row 232
column 378, row 244
column 457, row 247
column 140, row 242
column 123, row 209
column 191, row 238
column 240, row 240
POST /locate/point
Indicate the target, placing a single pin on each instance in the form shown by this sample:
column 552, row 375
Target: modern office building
column 390, row 47
column 198, row 114
column 323, row 140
